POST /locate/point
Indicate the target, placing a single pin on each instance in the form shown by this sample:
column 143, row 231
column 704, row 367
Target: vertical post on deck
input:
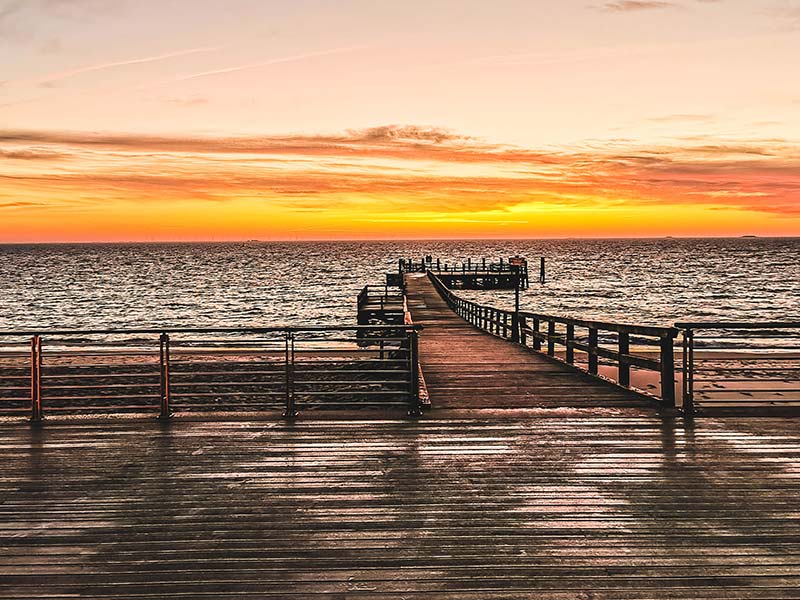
column 537, row 342
column 414, row 405
column 36, row 379
column 163, row 361
column 289, row 411
column 687, row 397
column 570, row 353
column 551, row 338
column 624, row 368
column 668, row 370
column 593, row 362
column 515, row 319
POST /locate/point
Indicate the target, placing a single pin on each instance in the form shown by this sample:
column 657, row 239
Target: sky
column 126, row 120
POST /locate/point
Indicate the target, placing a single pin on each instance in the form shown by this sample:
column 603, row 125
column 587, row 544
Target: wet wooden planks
column 466, row 367
column 484, row 507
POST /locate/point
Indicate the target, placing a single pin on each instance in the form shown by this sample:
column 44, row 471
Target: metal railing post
column 687, row 398
column 289, row 411
column 414, row 404
column 163, row 354
column 668, row 370
column 624, row 368
column 36, row 379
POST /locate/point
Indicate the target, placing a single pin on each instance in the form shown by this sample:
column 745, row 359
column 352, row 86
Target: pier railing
column 408, row 265
column 608, row 350
column 380, row 296
column 196, row 370
column 740, row 365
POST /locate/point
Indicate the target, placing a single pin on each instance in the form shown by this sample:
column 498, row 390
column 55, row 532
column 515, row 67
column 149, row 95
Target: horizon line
column 393, row 240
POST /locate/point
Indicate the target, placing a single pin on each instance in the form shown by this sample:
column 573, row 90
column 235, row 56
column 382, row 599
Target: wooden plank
column 476, row 506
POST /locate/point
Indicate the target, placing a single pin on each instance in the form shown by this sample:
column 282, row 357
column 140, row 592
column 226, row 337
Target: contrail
column 272, row 61
column 122, row 63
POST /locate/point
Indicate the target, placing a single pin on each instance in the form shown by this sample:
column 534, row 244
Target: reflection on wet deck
column 473, row 504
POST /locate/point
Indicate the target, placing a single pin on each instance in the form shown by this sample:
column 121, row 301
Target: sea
column 137, row 285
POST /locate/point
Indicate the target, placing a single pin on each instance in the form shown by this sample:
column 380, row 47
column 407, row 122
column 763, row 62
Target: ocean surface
column 655, row 282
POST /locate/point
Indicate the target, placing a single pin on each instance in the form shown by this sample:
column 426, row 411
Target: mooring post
column 541, row 270
column 163, row 360
column 36, row 379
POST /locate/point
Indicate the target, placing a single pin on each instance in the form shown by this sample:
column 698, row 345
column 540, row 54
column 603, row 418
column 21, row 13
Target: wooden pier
column 465, row 367
column 467, row 505
column 472, row 274
column 537, row 472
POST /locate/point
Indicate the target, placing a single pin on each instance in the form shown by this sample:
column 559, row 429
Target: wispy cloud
column 262, row 63
column 644, row 5
column 684, row 117
column 412, row 167
column 636, row 5
column 53, row 77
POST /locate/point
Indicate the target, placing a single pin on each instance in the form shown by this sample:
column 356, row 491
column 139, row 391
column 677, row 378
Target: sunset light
column 528, row 120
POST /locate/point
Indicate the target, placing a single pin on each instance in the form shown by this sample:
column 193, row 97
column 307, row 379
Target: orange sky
column 581, row 119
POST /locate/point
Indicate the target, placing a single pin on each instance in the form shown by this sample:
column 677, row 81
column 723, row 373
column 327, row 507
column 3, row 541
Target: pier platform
column 473, row 505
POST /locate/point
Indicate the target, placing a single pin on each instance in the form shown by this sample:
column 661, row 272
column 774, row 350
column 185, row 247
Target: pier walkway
column 493, row 506
column 465, row 367
column 527, row 479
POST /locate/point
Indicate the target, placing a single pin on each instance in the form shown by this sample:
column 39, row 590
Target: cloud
column 406, row 167
column 18, row 204
column 260, row 64
column 31, row 154
column 697, row 118
column 636, row 5
column 49, row 79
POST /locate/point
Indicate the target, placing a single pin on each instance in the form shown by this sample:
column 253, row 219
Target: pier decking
column 485, row 506
column 526, row 478
column 465, row 367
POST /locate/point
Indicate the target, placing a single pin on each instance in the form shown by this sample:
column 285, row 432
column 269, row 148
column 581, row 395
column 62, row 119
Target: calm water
column 142, row 285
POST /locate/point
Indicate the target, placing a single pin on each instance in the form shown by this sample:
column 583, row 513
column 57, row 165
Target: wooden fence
column 610, row 350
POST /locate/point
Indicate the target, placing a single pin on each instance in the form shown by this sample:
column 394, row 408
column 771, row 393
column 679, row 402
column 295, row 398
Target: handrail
column 257, row 368
column 735, row 325
column 170, row 329
column 734, row 365
column 527, row 326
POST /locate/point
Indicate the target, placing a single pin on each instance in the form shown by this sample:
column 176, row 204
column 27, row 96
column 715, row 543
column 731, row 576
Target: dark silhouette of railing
column 207, row 369
column 547, row 333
